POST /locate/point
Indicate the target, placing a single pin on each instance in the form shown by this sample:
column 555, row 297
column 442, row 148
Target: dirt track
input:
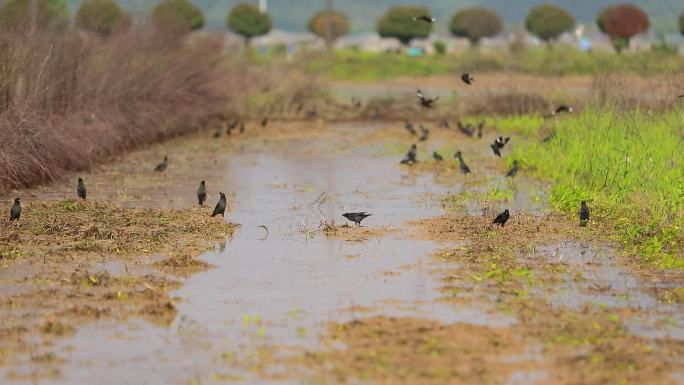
column 426, row 292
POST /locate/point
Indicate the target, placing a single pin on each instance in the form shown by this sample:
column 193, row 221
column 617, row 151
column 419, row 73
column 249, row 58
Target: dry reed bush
column 67, row 100
column 629, row 92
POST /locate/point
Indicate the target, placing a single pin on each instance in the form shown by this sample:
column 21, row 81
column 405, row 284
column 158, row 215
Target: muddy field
column 138, row 285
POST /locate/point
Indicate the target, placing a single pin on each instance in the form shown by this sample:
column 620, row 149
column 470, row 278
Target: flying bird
column 410, row 157
column 499, row 144
column 424, row 133
column 161, row 167
column 466, row 129
column 220, row 206
column 356, row 217
column 409, row 127
column 424, row 101
column 467, row 78
column 584, row 214
column 502, row 218
column 425, row 18
column 80, row 189
column 202, row 193
column 514, row 169
column 15, row 212
column 462, row 164
column 562, row 108
column 436, row 156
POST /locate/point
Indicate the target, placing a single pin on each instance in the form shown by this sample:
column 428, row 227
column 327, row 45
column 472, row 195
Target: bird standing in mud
column 409, row 127
column 220, row 206
column 436, row 156
column 502, row 218
column 467, row 78
column 15, row 212
column 264, row 121
column 424, row 133
column 514, row 169
column 161, row 167
column 424, row 101
column 356, row 217
column 425, row 18
column 498, row 145
column 410, row 157
column 80, row 189
column 242, row 127
column 584, row 214
column 202, row 193
column 218, row 132
column 465, row 170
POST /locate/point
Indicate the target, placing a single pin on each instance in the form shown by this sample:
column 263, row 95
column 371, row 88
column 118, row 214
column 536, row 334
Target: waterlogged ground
column 427, row 292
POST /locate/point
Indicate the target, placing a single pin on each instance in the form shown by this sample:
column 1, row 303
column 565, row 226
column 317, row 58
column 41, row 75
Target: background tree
column 398, row 23
column 247, row 21
column 621, row 23
column 15, row 15
column 681, row 23
column 548, row 22
column 102, row 17
column 339, row 24
column 180, row 16
column 475, row 23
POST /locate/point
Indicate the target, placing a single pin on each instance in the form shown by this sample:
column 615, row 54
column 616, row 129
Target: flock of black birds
column 410, row 158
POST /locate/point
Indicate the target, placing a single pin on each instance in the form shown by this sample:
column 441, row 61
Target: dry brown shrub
column 68, row 100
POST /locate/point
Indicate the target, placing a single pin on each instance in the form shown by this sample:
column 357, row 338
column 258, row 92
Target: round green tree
column 248, row 21
column 339, row 24
column 102, row 17
column 15, row 15
column 475, row 23
column 177, row 16
column 398, row 22
column 548, row 22
column 621, row 23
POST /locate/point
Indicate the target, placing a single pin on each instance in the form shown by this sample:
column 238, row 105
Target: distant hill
column 292, row 15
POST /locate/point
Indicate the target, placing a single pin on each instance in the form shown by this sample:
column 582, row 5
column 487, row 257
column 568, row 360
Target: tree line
column 547, row 22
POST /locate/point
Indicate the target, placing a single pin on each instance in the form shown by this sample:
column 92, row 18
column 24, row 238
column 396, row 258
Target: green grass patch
column 352, row 64
column 629, row 166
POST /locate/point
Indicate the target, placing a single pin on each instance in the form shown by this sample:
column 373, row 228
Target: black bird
column 220, row 206
column 409, row 127
column 161, row 167
column 499, row 144
column 502, row 218
column 467, row 78
column 15, row 212
column 443, row 124
column 514, row 169
column 231, row 127
column 480, row 128
column 80, row 189
column 426, row 102
column 436, row 156
column 218, row 132
column 425, row 18
column 549, row 137
column 410, row 157
column 467, row 129
column 464, row 167
column 202, row 193
column 264, row 121
column 562, row 108
column 424, row 133
column 242, row 127
column 356, row 217
column 584, row 214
